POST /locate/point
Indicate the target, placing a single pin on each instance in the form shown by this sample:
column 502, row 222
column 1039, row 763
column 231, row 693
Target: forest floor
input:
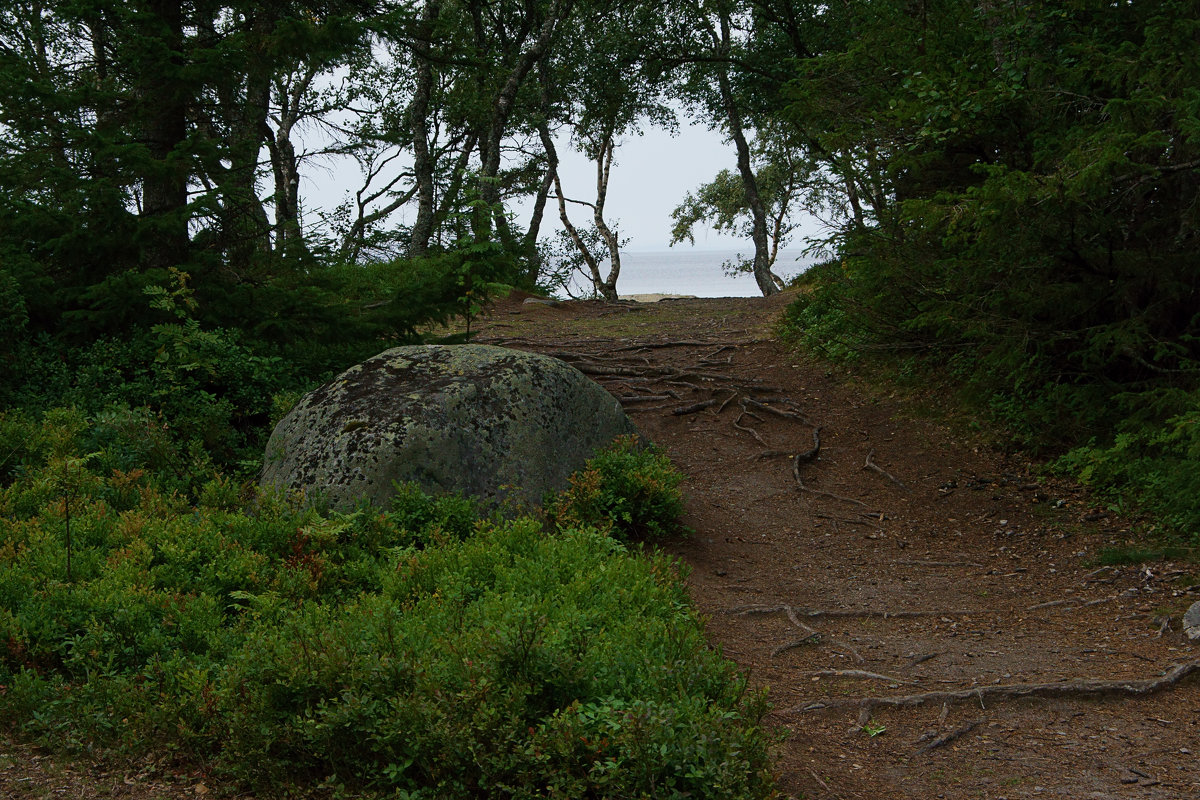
column 925, row 611
column 907, row 558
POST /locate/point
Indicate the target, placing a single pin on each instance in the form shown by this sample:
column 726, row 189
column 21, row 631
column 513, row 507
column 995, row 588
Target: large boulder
column 487, row 421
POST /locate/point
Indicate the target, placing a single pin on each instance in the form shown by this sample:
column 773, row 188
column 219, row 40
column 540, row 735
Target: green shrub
column 514, row 664
column 1153, row 463
column 414, row 651
column 630, row 490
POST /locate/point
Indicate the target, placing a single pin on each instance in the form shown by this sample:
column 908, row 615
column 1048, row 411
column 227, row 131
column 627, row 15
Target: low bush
column 630, row 490
column 416, row 651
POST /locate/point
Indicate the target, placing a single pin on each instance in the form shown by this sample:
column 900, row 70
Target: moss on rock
column 487, row 421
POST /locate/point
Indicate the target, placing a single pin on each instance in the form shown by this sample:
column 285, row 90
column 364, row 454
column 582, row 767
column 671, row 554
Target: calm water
column 696, row 272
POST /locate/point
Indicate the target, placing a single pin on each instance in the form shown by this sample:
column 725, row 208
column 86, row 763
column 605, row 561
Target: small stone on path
column 1191, row 622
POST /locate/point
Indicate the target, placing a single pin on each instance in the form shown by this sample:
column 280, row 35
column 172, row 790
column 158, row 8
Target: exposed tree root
column 812, row 638
column 1081, row 687
column 811, row 453
column 684, row 343
column 737, row 424
column 644, row 398
column 800, row 485
column 693, row 408
column 814, row 613
column 849, row 521
column 856, row 673
column 748, row 402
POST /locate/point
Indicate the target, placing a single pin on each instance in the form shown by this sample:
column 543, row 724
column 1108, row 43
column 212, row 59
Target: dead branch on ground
column 871, row 465
column 947, row 738
column 1079, row 687
column 856, row 673
column 815, row 613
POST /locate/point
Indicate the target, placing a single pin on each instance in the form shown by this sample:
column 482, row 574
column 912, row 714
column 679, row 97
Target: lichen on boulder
column 487, row 421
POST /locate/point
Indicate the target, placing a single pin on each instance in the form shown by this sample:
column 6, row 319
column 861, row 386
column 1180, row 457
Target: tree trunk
column 604, row 159
column 502, row 108
column 245, row 227
column 164, row 128
column 762, row 264
column 418, row 122
column 285, row 165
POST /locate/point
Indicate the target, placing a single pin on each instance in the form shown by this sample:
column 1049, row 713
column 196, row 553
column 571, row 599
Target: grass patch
column 1142, row 554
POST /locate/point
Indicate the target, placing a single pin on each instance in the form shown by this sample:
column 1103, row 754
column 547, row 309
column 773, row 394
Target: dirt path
column 912, row 562
column 945, row 569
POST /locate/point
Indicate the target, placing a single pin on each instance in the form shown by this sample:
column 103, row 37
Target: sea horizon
column 697, row 272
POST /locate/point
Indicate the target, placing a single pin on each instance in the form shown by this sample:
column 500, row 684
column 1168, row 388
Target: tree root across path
column 637, row 383
column 1081, row 687
column 813, row 613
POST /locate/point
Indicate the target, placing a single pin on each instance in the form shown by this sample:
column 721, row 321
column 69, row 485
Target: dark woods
column 1009, row 191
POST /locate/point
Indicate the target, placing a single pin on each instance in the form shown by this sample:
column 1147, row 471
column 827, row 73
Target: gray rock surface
column 1191, row 622
column 487, row 421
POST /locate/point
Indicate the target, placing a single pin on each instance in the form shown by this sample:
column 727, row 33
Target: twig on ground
column 937, row 564
column 1051, row 604
column 820, row 782
column 945, row 739
column 856, row 673
column 871, row 465
column 1082, row 687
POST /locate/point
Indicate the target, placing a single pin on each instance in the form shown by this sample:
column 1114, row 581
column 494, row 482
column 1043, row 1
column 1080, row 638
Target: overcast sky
column 651, row 176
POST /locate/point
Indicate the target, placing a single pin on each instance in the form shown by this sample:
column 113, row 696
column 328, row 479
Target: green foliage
column 630, row 490
column 416, row 651
column 1027, row 191
column 1152, row 459
column 1121, row 556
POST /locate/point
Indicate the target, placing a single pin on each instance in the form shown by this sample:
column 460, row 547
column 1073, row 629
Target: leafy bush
column 415, row 651
column 514, row 664
column 630, row 490
column 1156, row 464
